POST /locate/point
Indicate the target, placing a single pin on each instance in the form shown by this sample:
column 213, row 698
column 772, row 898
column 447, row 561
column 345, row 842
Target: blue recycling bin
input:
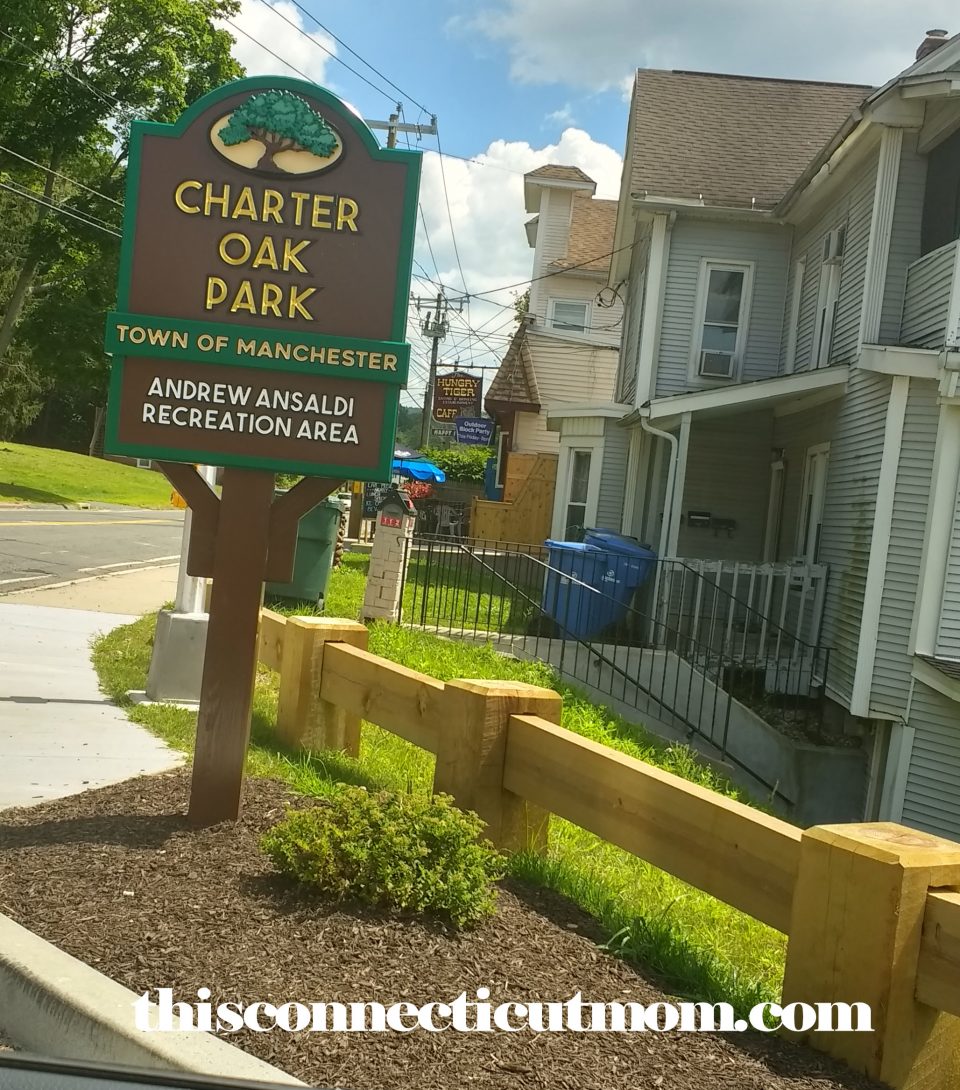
column 605, row 583
column 614, row 542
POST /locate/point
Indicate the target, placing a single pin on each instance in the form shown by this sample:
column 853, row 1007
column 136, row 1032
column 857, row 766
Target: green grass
column 43, row 475
column 700, row 947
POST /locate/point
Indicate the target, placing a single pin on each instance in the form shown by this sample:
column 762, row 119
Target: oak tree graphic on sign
column 281, row 121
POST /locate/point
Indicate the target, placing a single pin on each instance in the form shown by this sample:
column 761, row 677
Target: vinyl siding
column 932, row 797
column 891, row 670
column 728, row 474
column 851, row 496
column 948, row 638
column 854, row 210
column 891, row 675
column 613, row 476
column 926, row 302
column 604, row 324
column 904, row 235
column 795, row 434
column 768, row 247
column 553, row 230
column 633, row 320
column 567, row 371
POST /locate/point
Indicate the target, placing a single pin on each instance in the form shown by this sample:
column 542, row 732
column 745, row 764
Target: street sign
column 456, row 394
column 264, row 276
column 265, row 269
column 474, row 430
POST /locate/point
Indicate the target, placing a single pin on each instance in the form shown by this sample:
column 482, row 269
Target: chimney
column 933, row 40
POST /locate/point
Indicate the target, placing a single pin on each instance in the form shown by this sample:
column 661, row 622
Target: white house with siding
column 787, row 411
column 567, row 349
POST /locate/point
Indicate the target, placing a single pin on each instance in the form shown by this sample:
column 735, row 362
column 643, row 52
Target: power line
column 446, row 199
column 362, row 60
column 30, row 195
column 319, row 45
column 65, row 177
column 556, row 272
column 276, row 56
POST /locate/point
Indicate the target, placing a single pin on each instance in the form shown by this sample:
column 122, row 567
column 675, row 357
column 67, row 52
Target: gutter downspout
column 667, row 515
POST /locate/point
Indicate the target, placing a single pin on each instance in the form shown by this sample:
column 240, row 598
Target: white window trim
column 830, row 277
column 551, row 306
column 700, row 312
column 793, row 332
column 774, row 523
column 803, row 534
column 594, row 446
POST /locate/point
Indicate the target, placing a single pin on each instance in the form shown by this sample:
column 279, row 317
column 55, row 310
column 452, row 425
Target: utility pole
column 435, row 326
column 395, row 125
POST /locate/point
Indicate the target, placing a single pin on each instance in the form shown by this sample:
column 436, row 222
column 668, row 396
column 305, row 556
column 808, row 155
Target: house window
column 723, row 301
column 569, row 315
column 576, row 514
column 828, row 296
column 811, row 503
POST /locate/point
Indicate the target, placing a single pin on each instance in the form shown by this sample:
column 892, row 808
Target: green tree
column 73, row 73
column 281, row 121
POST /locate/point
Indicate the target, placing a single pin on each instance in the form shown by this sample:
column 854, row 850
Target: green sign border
column 232, row 358
column 140, row 129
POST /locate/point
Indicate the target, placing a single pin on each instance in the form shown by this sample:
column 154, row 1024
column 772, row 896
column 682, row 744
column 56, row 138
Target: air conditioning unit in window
column 716, row 364
column 833, row 246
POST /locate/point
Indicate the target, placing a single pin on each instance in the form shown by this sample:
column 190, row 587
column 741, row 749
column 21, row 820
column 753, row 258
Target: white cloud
column 563, row 116
column 486, row 204
column 596, row 45
column 274, row 30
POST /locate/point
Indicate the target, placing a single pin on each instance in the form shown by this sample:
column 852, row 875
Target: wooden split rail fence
column 871, row 911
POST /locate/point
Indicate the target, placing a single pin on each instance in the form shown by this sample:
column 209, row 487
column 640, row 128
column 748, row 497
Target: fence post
column 855, row 933
column 304, row 720
column 471, row 751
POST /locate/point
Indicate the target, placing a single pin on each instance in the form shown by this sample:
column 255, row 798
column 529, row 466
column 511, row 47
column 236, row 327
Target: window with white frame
column 828, row 296
column 723, row 301
column 578, row 489
column 812, row 496
column 568, row 314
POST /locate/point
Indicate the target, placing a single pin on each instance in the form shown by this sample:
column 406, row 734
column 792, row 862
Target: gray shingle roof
column 730, row 139
column 561, row 173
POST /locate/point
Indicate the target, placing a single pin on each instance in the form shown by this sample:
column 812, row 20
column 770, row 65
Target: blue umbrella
column 418, row 470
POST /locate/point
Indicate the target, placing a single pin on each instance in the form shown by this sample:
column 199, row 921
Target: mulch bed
column 118, row 879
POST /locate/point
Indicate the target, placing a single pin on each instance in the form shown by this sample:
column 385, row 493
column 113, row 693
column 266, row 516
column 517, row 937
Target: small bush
column 400, row 852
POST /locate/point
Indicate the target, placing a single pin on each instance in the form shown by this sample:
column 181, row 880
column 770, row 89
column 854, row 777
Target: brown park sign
column 268, row 244
column 262, row 305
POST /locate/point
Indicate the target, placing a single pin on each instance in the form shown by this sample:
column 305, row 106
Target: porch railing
column 679, row 668
column 931, row 300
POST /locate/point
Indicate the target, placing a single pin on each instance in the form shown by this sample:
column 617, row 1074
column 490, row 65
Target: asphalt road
column 40, row 547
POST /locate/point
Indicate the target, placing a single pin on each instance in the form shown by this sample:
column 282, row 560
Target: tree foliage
column 73, row 74
column 281, row 121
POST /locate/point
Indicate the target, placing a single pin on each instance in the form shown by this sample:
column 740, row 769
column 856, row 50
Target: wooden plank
column 938, row 969
column 270, row 638
column 855, row 937
column 402, row 701
column 470, row 757
column 737, row 854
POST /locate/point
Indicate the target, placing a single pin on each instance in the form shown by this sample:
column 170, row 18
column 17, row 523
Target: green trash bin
column 316, row 543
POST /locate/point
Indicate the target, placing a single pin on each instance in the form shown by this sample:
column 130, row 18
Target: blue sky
column 519, row 83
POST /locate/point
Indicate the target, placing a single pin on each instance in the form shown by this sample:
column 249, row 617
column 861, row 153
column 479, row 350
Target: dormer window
column 567, row 315
column 723, row 300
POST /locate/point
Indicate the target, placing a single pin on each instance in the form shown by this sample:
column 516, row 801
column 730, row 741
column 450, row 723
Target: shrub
column 399, row 852
column 460, row 463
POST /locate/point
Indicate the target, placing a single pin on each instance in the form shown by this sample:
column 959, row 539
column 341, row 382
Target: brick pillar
column 396, row 519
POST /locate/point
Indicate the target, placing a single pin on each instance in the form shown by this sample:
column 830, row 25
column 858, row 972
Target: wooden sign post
column 265, row 272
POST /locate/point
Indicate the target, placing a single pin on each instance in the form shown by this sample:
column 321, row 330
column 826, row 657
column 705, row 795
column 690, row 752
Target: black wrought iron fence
column 618, row 632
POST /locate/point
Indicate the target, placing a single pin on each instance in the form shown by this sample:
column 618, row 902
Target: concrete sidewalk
column 59, row 735
column 130, row 592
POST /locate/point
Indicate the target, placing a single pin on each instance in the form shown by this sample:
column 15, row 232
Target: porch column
column 679, row 479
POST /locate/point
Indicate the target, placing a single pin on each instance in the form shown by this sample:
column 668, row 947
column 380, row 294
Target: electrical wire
column 276, row 56
column 353, row 52
column 65, row 177
column 446, row 199
column 556, row 272
column 37, row 198
column 320, row 45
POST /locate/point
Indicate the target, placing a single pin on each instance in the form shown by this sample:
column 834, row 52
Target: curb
column 53, row 1002
column 87, row 578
